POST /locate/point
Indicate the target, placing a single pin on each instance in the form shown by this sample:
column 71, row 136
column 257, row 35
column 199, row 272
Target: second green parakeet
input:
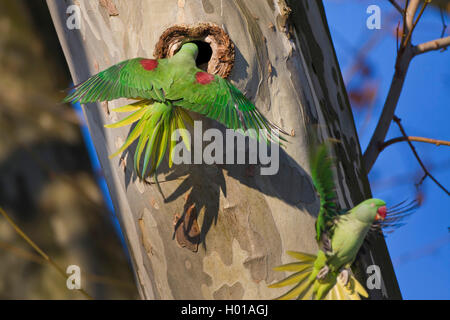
column 340, row 235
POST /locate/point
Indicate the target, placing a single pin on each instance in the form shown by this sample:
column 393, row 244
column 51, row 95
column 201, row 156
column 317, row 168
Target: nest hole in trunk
column 216, row 50
column 204, row 54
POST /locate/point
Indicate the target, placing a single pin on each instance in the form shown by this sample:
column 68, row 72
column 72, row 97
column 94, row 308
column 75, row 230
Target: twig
column 436, row 44
column 411, row 28
column 444, row 25
column 410, row 12
column 417, row 139
column 396, row 6
column 404, row 19
column 396, row 37
column 38, row 250
column 413, row 149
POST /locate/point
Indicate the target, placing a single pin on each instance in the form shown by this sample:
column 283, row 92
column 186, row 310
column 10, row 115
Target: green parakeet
column 340, row 236
column 167, row 89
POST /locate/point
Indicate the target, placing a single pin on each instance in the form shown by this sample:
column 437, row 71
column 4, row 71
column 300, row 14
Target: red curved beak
column 381, row 213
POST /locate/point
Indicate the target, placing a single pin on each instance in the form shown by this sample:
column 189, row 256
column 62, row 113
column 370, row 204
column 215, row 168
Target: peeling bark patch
column 187, row 231
column 154, row 204
column 207, row 6
column 257, row 267
column 236, row 291
column 149, row 64
column 228, row 278
column 145, row 240
column 105, row 107
column 203, row 77
column 269, row 68
column 249, row 228
column 110, row 7
column 123, row 162
column 283, row 18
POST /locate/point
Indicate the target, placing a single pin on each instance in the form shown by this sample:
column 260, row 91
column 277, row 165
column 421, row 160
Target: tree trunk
column 285, row 63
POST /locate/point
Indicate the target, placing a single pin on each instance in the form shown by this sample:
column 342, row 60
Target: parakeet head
column 370, row 211
column 190, row 49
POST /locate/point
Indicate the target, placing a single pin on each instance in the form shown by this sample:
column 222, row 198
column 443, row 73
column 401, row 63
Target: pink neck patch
column 149, row 64
column 204, row 77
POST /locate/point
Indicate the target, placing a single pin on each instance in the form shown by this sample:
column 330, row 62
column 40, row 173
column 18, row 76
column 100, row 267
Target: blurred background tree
column 47, row 184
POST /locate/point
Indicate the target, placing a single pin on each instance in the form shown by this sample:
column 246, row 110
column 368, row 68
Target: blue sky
column 420, row 250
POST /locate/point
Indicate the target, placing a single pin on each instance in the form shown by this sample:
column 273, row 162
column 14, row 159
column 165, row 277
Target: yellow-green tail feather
column 155, row 124
column 307, row 287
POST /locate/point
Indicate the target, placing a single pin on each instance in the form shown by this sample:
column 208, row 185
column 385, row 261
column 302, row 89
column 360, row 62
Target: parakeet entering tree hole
column 166, row 90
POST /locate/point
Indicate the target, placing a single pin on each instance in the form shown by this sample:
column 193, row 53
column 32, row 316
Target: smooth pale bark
column 289, row 69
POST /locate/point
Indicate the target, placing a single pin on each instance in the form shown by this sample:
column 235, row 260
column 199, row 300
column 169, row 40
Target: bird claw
column 344, row 276
column 323, row 272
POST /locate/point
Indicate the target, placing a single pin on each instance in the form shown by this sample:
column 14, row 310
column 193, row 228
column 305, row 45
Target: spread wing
column 218, row 99
column 322, row 176
column 134, row 78
column 184, row 86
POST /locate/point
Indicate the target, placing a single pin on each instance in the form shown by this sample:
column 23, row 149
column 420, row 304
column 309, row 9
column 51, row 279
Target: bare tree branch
column 414, row 24
column 413, row 149
column 396, row 6
column 410, row 12
column 404, row 19
column 390, row 104
column 436, row 44
column 417, row 139
column 404, row 56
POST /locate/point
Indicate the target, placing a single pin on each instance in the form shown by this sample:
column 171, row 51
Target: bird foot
column 344, row 276
column 323, row 272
